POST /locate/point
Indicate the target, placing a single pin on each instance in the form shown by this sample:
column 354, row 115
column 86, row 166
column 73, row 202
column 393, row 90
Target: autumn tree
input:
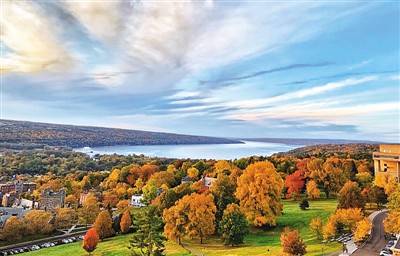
column 316, row 226
column 342, row 219
column 13, row 229
column 330, row 174
column 193, row 173
column 65, row 218
column 126, row 222
column 148, row 239
column 71, row 201
column 110, row 199
column 223, row 190
column 163, row 178
column 350, row 196
column 312, row 190
column 362, row 230
column 90, row 240
column 259, row 192
column 292, row 243
column 193, row 215
column 123, row 205
column 233, row 226
column 394, row 200
column 294, row 184
column 103, row 225
column 38, row 222
column 392, row 222
column 364, row 179
column 89, row 211
column 385, row 181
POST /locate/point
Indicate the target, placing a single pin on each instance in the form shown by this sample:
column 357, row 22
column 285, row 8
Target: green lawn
column 257, row 243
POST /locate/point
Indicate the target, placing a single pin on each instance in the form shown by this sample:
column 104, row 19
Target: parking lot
column 34, row 246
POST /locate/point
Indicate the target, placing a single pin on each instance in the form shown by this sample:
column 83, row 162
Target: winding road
column 377, row 240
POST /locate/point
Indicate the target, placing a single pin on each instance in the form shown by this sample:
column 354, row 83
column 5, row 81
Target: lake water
column 202, row 151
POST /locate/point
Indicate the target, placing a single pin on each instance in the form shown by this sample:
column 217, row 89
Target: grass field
column 257, row 243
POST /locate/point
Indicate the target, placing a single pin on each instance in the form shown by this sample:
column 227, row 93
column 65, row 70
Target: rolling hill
column 33, row 133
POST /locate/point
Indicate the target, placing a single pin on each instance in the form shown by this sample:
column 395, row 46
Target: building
column 50, row 200
column 137, row 201
column 7, row 212
column 208, row 181
column 17, row 186
column 7, row 188
column 8, row 199
column 387, row 160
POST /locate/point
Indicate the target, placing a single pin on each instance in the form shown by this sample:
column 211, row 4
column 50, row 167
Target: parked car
column 386, row 252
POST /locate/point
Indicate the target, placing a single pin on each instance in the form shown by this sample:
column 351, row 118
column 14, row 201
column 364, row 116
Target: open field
column 257, row 243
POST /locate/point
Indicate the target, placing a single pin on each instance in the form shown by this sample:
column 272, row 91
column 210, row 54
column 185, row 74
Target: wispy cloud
column 268, row 71
column 303, row 93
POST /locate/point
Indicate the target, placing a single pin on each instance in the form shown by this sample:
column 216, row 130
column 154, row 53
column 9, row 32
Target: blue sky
column 312, row 69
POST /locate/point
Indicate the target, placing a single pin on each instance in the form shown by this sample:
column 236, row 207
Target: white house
column 137, row 201
column 208, row 181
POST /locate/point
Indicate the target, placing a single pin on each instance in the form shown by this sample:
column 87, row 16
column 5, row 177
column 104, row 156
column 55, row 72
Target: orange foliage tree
column 294, row 183
column 126, row 222
column 90, row 240
column 193, row 215
column 103, row 225
column 259, row 191
column 292, row 243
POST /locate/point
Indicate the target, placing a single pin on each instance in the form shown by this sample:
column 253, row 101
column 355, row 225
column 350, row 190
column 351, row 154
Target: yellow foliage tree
column 90, row 208
column 38, row 222
column 392, row 222
column 65, row 217
column 193, row 172
column 259, row 192
column 312, row 190
column 362, row 230
column 386, row 181
column 13, row 229
column 316, row 226
column 347, row 218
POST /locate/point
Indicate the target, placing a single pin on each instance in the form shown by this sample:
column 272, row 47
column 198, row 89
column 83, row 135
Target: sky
column 291, row 69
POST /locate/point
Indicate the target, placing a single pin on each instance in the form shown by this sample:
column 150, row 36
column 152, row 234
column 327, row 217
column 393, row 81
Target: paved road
column 377, row 241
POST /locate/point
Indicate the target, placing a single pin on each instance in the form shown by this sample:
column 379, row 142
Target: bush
column 304, row 204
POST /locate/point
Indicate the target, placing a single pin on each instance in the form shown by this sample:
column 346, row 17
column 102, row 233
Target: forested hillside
column 82, row 136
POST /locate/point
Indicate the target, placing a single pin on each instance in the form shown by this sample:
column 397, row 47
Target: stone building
column 50, row 200
column 387, row 160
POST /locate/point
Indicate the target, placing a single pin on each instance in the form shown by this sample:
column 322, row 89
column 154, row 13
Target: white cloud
column 102, row 19
column 31, row 40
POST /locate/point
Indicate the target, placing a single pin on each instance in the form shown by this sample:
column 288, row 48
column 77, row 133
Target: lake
column 198, row 151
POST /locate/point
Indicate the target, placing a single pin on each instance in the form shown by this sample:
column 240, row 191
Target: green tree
column 223, row 190
column 233, row 226
column 148, row 240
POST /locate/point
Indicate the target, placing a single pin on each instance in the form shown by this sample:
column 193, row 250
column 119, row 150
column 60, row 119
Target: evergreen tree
column 148, row 239
column 233, row 226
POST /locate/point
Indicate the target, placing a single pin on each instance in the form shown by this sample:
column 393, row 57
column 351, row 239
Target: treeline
column 87, row 136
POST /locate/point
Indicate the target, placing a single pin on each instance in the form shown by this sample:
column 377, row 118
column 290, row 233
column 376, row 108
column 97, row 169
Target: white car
column 386, row 252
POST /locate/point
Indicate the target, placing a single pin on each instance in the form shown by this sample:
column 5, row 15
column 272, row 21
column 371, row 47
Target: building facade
column 387, row 160
column 50, row 200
